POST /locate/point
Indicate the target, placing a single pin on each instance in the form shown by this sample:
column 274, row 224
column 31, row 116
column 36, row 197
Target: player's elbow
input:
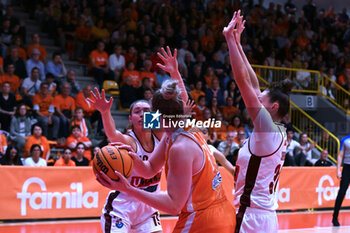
column 174, row 210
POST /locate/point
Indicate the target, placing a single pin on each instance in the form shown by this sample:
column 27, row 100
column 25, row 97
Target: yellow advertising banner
column 60, row 192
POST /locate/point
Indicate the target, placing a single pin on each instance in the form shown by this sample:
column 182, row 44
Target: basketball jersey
column 206, row 183
column 257, row 176
column 136, row 180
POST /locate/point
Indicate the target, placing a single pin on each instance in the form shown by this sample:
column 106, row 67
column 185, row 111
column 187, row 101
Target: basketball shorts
column 218, row 217
column 257, row 220
column 130, row 216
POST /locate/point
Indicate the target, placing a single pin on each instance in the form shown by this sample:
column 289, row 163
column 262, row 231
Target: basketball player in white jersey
column 124, row 213
column 261, row 158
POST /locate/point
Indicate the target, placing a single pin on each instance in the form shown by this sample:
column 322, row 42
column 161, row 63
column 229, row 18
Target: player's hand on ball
column 120, row 185
column 121, row 146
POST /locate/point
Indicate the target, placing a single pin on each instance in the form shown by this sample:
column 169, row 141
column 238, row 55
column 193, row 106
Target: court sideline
column 296, row 222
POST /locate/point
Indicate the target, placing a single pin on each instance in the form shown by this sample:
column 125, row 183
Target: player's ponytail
column 168, row 99
column 279, row 92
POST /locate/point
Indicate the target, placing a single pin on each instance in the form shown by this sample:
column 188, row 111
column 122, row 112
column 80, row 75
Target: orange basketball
column 110, row 159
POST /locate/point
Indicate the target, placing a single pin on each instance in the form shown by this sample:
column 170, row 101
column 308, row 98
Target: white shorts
column 130, row 216
column 259, row 220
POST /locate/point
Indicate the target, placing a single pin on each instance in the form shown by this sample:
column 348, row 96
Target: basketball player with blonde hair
column 261, row 158
column 194, row 186
column 122, row 212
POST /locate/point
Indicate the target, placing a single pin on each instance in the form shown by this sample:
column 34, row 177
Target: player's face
column 136, row 118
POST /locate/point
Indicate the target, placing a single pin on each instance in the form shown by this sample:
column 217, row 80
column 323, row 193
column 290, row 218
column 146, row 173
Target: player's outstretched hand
column 120, row 185
column 188, row 107
column 240, row 28
column 169, row 60
column 229, row 30
column 100, row 102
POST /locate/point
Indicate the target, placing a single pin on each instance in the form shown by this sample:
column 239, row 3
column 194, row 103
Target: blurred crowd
column 118, row 40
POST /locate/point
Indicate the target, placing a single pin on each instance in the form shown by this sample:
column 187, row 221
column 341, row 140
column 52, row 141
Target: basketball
column 109, row 159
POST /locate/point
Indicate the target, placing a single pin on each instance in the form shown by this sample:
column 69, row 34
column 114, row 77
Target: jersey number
column 156, row 219
column 273, row 184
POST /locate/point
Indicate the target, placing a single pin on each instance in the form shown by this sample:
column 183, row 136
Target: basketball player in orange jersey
column 193, row 181
column 261, row 158
column 122, row 212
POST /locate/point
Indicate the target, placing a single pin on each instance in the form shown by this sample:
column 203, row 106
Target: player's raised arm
column 253, row 79
column 104, row 107
column 239, row 69
column 171, row 66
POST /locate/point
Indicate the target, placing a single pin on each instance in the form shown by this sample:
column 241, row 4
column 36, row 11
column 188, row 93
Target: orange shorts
column 218, row 217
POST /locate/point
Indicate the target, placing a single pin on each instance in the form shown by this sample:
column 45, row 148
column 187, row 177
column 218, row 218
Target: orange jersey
column 13, row 80
column 150, row 75
column 80, row 101
column 41, row 48
column 99, row 58
column 207, row 205
column 206, row 184
column 135, row 77
column 62, row 103
column 60, row 163
column 3, row 143
column 70, row 139
column 43, row 103
column 42, row 141
column 234, row 129
column 220, row 132
column 195, row 94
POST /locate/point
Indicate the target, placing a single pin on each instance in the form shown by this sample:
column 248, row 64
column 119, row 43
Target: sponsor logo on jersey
column 140, row 182
column 216, row 180
column 119, row 223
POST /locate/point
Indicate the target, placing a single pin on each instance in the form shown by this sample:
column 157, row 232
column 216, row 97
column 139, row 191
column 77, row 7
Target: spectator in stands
column 89, row 110
column 100, row 32
column 35, row 159
column 22, row 53
column 236, row 124
column 240, row 139
column 221, row 132
column 199, row 108
column 5, row 32
column 323, row 162
column 52, row 85
column 20, row 67
column 3, row 142
column 99, row 66
column 213, row 106
column 147, row 73
column 133, row 74
column 79, row 158
column 33, row 62
column 64, row 106
column 66, row 159
column 75, row 88
column 197, row 91
column 128, row 93
column 214, row 91
column 56, row 66
column 8, row 105
column 303, row 78
column 303, row 155
column 11, row 78
column 43, row 106
column 84, row 124
column 147, row 95
column 291, row 146
column 66, row 32
column 117, row 62
column 229, row 147
column 11, row 157
column 36, row 45
column 20, row 128
column 229, row 111
column 76, row 137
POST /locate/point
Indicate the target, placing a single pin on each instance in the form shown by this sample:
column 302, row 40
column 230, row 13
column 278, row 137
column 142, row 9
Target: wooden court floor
column 305, row 222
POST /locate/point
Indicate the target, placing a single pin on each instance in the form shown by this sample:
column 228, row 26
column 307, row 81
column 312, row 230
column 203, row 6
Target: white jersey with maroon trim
column 128, row 210
column 256, row 176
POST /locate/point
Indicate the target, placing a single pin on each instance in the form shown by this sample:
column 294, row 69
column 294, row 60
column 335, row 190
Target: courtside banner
column 60, row 192
column 50, row 192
